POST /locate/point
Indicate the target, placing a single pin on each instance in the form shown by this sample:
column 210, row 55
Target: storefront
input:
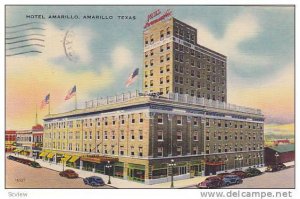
column 136, row 172
column 196, row 168
column 73, row 162
column 97, row 163
column 119, row 169
column 211, row 168
column 159, row 171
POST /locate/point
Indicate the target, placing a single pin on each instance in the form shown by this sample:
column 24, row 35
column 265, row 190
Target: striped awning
column 43, row 154
column 50, row 155
column 74, row 158
column 66, row 157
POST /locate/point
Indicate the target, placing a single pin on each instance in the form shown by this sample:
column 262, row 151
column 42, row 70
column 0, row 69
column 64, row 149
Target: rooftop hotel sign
column 157, row 16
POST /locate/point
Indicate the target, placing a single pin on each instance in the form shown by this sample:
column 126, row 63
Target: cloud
column 242, row 28
column 72, row 43
column 280, row 129
column 30, row 78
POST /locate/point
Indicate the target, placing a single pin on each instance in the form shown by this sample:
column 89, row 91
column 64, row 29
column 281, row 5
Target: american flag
column 71, row 93
column 132, row 77
column 45, row 101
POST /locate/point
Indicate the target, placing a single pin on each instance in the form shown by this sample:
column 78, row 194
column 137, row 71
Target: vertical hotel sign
column 157, row 16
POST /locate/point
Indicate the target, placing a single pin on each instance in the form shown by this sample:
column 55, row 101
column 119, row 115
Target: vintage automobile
column 68, row 174
column 251, row 172
column 35, row 165
column 221, row 175
column 231, row 179
column 241, row 174
column 94, row 181
column 276, row 167
column 211, row 182
column 10, row 157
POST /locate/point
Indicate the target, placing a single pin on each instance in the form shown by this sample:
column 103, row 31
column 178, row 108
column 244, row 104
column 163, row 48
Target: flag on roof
column 132, row 77
column 45, row 101
column 71, row 93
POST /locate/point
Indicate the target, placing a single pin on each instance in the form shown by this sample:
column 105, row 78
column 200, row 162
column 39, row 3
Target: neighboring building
column 174, row 62
column 30, row 142
column 279, row 142
column 37, row 136
column 24, row 142
column 10, row 141
column 140, row 133
column 285, row 153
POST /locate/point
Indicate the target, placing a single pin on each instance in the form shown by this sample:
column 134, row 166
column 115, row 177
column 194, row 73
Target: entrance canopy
column 98, row 159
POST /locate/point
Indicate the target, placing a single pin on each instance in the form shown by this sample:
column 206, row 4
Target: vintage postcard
column 153, row 96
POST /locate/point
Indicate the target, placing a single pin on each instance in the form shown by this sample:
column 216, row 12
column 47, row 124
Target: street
column 280, row 180
column 19, row 175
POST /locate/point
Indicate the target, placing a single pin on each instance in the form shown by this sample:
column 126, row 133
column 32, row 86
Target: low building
column 10, row 141
column 37, row 136
column 279, row 154
column 142, row 134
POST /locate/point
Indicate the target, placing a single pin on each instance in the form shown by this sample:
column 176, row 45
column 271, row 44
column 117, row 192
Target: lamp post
column 240, row 158
column 276, row 157
column 172, row 165
column 108, row 166
column 226, row 162
column 63, row 162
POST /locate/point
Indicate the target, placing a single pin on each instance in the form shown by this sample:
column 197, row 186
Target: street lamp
column 226, row 162
column 276, row 156
column 240, row 158
column 63, row 162
column 108, row 166
column 172, row 165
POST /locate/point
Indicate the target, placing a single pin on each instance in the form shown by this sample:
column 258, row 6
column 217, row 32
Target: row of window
column 228, row 149
column 230, row 124
column 161, row 60
column 161, row 71
column 163, row 34
column 162, row 48
column 91, row 122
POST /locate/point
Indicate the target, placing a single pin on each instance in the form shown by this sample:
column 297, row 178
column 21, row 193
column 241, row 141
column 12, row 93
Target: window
column 85, row 135
column 159, row 119
column 161, row 35
column 141, row 118
column 168, row 32
column 90, row 135
column 132, row 119
column 132, row 134
column 140, row 134
column 122, row 119
column 122, row 135
column 105, row 135
column 179, row 136
column 161, row 70
column 160, row 136
column 168, row 57
column 179, row 120
column 121, row 150
column 161, row 59
column 113, row 135
column 195, row 150
column 161, row 49
column 132, row 150
column 179, row 150
column 195, row 136
column 207, row 136
column 168, row 46
column 160, row 151
column 140, row 151
column 161, row 80
column 207, row 122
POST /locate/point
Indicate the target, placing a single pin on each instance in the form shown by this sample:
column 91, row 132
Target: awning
column 74, row 158
column 214, row 163
column 99, row 159
column 50, row 155
column 43, row 154
column 66, row 158
column 17, row 150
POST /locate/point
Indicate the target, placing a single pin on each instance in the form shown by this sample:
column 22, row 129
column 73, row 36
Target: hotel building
column 140, row 134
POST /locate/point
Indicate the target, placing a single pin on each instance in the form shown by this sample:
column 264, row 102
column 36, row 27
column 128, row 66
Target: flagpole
column 49, row 107
column 36, row 119
column 76, row 101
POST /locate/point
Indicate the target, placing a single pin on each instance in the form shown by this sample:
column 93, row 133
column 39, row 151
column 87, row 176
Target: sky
column 257, row 40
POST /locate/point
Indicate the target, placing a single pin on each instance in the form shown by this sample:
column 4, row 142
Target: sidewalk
column 117, row 182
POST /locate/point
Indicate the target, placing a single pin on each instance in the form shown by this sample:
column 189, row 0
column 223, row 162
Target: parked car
column 241, row 174
column 221, row 175
column 211, row 182
column 68, row 174
column 231, row 179
column 277, row 167
column 10, row 157
column 252, row 172
column 94, row 181
column 35, row 165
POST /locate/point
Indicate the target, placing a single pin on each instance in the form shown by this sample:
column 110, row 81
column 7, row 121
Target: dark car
column 68, row 174
column 251, row 172
column 277, row 167
column 241, row 174
column 94, row 181
column 221, row 175
column 10, row 157
column 231, row 179
column 35, row 165
column 211, row 182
